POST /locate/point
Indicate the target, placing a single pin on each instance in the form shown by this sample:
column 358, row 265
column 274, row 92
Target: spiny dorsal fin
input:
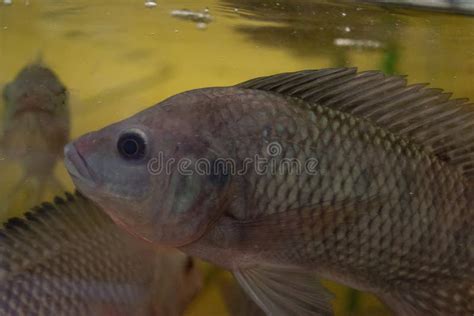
column 46, row 228
column 424, row 115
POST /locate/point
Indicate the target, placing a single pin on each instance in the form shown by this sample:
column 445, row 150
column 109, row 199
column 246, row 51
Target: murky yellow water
column 118, row 57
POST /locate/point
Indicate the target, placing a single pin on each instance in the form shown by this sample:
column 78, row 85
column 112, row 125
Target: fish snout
column 77, row 166
column 33, row 103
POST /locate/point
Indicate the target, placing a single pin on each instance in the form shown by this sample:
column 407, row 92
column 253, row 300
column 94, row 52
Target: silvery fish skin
column 69, row 258
column 388, row 208
column 36, row 122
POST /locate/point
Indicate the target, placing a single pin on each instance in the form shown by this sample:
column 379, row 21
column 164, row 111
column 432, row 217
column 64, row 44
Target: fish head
column 143, row 171
column 36, row 88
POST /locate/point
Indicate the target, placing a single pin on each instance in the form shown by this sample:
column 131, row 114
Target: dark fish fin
column 450, row 298
column 46, row 228
column 427, row 116
column 285, row 291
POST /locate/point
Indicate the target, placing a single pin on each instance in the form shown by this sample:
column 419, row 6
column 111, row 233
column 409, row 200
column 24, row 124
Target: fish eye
column 132, row 145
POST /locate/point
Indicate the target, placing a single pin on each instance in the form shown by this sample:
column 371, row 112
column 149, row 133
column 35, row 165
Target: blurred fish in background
column 69, row 258
column 34, row 130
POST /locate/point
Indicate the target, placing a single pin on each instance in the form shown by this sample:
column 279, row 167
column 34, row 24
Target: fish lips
column 78, row 168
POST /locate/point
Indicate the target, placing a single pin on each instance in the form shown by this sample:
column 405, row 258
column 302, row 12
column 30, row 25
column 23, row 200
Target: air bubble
column 150, row 4
column 201, row 25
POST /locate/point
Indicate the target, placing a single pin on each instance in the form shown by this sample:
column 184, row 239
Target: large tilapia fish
column 69, row 258
column 355, row 177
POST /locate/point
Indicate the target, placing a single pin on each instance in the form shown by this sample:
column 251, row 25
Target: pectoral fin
column 285, row 291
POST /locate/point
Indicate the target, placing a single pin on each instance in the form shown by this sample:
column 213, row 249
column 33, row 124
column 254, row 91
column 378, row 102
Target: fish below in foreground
column 383, row 203
column 69, row 258
column 35, row 126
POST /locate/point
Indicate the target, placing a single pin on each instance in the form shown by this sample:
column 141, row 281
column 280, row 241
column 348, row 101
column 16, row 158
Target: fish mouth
column 26, row 110
column 33, row 105
column 77, row 166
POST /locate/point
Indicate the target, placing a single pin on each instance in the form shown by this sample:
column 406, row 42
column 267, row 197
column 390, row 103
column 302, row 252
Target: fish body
column 365, row 180
column 36, row 122
column 69, row 258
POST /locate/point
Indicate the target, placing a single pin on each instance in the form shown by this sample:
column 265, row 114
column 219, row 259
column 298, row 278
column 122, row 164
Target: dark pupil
column 131, row 146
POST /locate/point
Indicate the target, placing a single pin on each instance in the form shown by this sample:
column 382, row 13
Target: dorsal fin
column 29, row 239
column 426, row 116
